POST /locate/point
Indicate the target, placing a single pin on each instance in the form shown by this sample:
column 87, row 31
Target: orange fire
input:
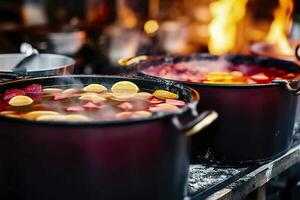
column 226, row 15
column 281, row 24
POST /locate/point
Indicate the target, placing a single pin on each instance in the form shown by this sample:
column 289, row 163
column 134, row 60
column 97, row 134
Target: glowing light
column 226, row 14
column 282, row 22
column 151, row 27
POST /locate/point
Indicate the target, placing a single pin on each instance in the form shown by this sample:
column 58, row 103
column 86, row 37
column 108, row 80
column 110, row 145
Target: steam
column 197, row 68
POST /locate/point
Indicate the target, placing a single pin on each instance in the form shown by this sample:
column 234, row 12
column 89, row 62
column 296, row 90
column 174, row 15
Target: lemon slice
column 20, row 101
column 70, row 91
column 163, row 108
column 92, row 98
column 38, row 113
column 70, row 118
column 52, row 90
column 76, row 117
column 51, row 118
column 237, row 74
column 163, row 94
column 123, row 115
column 143, row 95
column 105, row 95
column 95, row 88
column 141, row 114
column 124, row 90
column 88, row 93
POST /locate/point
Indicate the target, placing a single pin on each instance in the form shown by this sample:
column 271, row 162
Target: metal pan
column 40, row 65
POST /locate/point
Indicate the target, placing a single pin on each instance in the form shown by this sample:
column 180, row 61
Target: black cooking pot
column 256, row 121
column 129, row 159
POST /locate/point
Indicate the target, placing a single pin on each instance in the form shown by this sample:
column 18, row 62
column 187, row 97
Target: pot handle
column 199, row 123
column 297, row 53
column 126, row 62
column 287, row 84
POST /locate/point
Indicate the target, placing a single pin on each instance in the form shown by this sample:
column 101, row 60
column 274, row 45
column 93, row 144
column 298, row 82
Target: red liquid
column 219, row 72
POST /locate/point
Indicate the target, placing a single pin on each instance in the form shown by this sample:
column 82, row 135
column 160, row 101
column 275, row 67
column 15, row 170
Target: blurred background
column 100, row 32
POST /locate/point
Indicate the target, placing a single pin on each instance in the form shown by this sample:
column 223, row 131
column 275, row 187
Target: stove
column 213, row 181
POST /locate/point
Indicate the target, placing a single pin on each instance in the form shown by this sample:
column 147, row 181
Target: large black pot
column 256, row 121
column 133, row 159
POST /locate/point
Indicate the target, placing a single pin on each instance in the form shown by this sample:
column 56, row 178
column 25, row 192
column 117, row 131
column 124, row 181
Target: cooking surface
column 216, row 182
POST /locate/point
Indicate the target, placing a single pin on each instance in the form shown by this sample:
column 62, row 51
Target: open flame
column 282, row 22
column 226, row 15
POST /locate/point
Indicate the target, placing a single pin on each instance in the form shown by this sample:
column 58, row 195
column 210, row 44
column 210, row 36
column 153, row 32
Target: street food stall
column 155, row 99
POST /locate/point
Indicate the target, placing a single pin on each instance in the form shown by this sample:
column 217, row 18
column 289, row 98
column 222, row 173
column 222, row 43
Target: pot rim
column 208, row 56
column 191, row 105
column 226, row 86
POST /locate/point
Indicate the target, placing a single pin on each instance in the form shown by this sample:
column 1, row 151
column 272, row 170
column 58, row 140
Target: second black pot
column 256, row 121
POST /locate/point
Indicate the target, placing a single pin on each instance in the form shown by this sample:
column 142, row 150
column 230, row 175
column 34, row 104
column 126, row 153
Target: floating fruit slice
column 250, row 81
column 126, row 106
column 20, row 101
column 156, row 101
column 143, row 95
column 175, row 102
column 123, row 115
column 141, row 114
column 51, row 118
column 120, row 99
column 167, row 106
column 8, row 94
column 92, row 106
column 124, row 89
column 92, row 98
column 52, row 90
column 217, row 76
column 88, row 93
column 260, row 78
column 134, row 115
column 75, row 109
column 34, row 89
column 164, row 107
column 76, row 117
column 95, row 88
column 70, row 91
column 290, row 75
column 36, row 114
column 64, row 96
column 163, row 94
column 8, row 112
column 237, row 74
column 13, row 116
column 105, row 95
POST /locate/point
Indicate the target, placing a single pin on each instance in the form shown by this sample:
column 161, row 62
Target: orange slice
column 163, row 94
